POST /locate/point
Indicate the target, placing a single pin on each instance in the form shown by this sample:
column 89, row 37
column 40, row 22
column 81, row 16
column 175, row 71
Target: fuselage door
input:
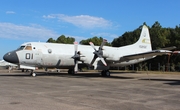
column 38, row 57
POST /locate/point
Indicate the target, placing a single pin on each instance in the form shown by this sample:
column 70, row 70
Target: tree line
column 70, row 40
column 160, row 37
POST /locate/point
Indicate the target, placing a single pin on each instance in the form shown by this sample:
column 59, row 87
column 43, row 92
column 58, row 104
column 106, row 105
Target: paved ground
column 89, row 91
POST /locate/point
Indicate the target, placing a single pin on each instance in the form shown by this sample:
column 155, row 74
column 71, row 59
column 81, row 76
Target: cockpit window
column 21, row 48
column 28, row 48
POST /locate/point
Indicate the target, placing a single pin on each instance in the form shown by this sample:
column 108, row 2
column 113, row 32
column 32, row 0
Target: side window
column 21, row 48
column 28, row 48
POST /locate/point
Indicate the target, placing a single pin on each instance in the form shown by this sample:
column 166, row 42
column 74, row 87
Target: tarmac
column 89, row 91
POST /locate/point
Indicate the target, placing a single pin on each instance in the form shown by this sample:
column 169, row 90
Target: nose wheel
column 33, row 74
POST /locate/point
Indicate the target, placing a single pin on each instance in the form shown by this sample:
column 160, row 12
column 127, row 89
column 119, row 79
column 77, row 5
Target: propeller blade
column 93, row 60
column 75, row 47
column 102, row 44
column 103, row 61
column 92, row 45
column 76, row 66
column 75, row 57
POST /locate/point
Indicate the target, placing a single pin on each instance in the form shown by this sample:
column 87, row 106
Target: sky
column 38, row 20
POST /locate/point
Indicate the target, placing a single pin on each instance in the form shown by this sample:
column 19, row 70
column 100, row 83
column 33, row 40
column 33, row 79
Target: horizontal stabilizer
column 144, row 55
column 168, row 48
column 176, row 52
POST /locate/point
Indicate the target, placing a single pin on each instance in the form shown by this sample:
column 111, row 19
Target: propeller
column 98, row 53
column 76, row 56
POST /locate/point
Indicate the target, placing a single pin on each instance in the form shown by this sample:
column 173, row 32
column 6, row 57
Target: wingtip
column 75, row 42
column 104, row 40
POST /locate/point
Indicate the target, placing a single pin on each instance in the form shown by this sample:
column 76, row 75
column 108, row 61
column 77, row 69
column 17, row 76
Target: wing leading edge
column 144, row 55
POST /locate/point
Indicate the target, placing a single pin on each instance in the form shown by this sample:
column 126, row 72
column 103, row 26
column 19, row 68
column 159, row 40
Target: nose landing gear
column 33, row 74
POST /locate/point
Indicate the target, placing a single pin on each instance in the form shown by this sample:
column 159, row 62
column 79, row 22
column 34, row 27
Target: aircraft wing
column 144, row 55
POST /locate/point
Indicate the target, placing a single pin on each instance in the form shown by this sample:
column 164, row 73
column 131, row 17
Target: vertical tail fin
column 144, row 42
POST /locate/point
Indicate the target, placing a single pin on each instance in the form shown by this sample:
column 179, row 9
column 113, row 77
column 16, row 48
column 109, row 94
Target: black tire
column 105, row 73
column 71, row 71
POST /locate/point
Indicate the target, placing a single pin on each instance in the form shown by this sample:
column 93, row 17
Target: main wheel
column 105, row 73
column 71, row 71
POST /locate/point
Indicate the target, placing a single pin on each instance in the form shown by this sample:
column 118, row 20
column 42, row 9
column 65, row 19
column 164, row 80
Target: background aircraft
column 7, row 65
column 37, row 54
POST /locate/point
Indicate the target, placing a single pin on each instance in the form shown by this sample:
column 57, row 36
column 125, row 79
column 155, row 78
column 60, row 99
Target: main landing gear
column 71, row 71
column 105, row 73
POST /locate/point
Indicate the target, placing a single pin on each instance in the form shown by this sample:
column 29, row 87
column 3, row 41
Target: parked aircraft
column 37, row 54
column 7, row 64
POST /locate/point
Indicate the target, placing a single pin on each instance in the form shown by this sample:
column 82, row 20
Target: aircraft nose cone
column 11, row 57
